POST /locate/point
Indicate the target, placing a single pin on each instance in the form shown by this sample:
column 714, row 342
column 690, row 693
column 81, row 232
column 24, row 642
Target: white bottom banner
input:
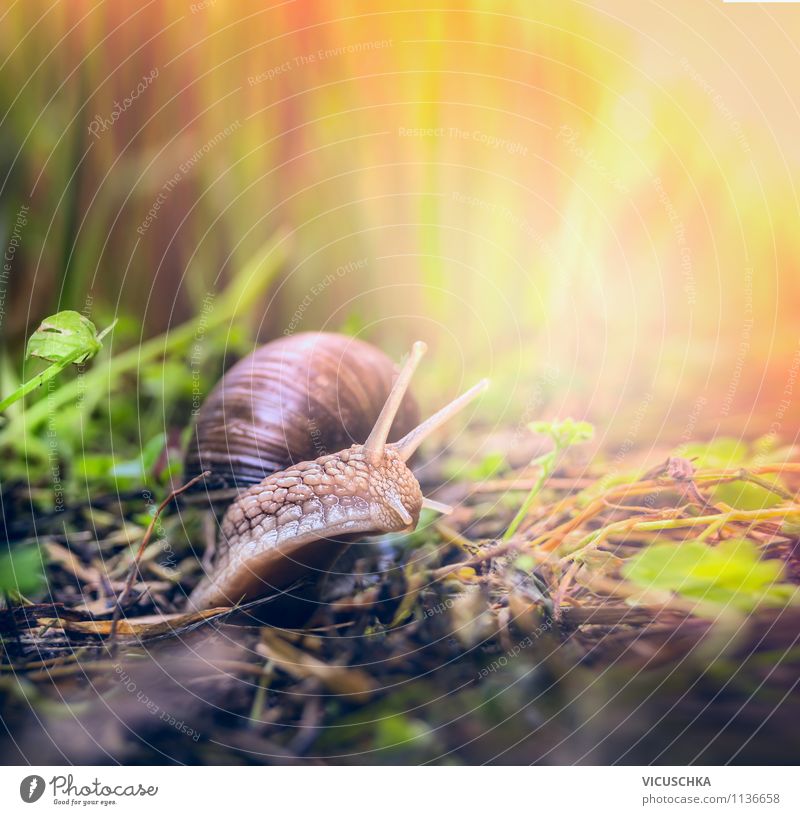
column 349, row 790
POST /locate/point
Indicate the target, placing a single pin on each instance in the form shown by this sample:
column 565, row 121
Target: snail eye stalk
column 408, row 445
column 437, row 506
column 376, row 443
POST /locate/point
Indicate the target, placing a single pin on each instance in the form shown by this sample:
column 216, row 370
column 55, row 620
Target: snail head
column 393, row 485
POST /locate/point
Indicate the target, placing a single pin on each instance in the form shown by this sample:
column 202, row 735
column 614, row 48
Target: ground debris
column 447, row 644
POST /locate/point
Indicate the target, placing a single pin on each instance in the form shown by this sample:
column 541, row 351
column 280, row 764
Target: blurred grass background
column 595, row 207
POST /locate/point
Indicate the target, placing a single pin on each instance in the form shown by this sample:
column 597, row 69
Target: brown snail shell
column 294, row 399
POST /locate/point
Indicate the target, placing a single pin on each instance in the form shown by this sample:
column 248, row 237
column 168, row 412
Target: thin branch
column 134, row 567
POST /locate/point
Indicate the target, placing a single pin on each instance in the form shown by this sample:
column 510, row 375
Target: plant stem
column 753, row 515
column 548, row 465
column 746, row 475
column 40, row 378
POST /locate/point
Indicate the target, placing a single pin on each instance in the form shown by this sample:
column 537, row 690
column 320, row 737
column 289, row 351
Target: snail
column 293, row 514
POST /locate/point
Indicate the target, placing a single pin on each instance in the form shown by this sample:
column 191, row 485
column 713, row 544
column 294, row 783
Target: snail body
column 295, row 522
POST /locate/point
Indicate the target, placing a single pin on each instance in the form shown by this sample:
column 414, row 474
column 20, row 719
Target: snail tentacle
column 376, row 441
column 408, row 445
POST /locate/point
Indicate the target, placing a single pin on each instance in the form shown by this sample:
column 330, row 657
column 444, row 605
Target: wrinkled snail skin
column 294, row 399
column 296, row 522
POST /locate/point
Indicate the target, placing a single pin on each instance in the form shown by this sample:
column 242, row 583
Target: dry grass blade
column 338, row 679
column 143, row 628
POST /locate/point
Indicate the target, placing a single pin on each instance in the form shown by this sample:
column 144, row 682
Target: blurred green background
column 596, row 208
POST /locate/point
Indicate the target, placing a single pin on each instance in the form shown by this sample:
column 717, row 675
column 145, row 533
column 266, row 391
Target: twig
column 498, row 550
column 134, row 567
column 746, row 475
column 753, row 516
column 608, row 615
column 260, row 697
column 454, row 537
column 563, row 587
column 550, row 540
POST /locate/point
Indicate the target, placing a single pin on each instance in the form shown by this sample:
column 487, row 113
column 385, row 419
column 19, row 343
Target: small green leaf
column 564, row 433
column 152, row 451
column 66, row 336
column 488, row 467
column 723, row 453
column 727, row 453
column 21, row 571
column 525, row 563
column 731, row 574
column 599, row 561
column 744, row 495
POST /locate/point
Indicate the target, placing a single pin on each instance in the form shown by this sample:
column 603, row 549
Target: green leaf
column 722, row 453
column 525, row 563
column 152, row 451
column 564, row 433
column 65, row 337
column 728, row 453
column 744, row 495
column 488, row 467
column 731, row 574
column 400, row 730
column 21, row 571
